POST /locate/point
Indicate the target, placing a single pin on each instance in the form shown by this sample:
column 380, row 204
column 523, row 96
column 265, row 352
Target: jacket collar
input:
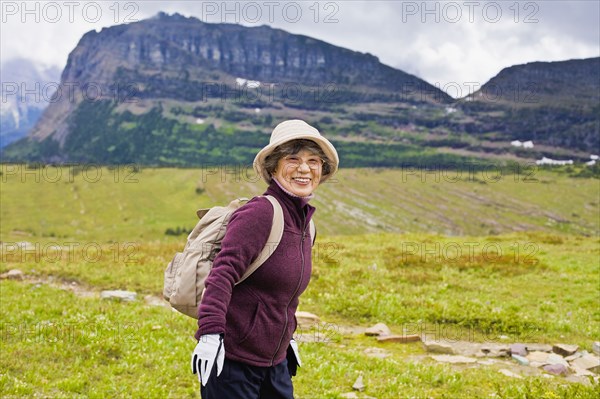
column 296, row 205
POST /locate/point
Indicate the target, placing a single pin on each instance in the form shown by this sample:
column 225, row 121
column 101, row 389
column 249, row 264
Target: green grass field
column 479, row 258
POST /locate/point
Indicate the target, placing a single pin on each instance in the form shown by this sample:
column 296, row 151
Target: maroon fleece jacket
column 257, row 317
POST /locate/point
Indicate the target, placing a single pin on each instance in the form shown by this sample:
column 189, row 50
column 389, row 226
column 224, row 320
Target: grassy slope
column 142, row 205
column 529, row 286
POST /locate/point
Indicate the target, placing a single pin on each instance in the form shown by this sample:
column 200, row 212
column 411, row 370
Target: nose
column 303, row 167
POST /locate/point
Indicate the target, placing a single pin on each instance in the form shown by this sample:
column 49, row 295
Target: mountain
column 557, row 103
column 175, row 91
column 26, row 90
column 183, row 58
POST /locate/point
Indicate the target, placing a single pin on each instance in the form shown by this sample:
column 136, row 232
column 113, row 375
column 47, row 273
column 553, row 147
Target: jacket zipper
column 297, row 288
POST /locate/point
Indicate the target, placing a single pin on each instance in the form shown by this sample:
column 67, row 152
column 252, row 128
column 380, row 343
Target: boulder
column 581, row 372
column 14, row 274
column 518, row 349
column 556, row 369
column 574, row 356
column 531, row 347
column 596, row 348
column 538, row 357
column 438, row 347
column 306, row 319
column 378, row 330
column 554, row 358
column 523, row 361
column 587, row 362
column 119, row 295
column 399, row 338
column 495, row 350
column 564, row 349
column 358, row 384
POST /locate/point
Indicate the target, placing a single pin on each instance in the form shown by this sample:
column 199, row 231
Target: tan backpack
column 187, row 272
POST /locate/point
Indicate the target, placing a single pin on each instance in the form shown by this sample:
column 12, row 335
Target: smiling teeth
column 302, row 180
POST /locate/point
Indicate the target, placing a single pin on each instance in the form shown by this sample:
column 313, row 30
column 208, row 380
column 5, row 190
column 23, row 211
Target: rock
column 537, row 364
column 588, row 362
column 556, row 369
column 538, row 357
column 152, row 300
column 581, row 372
column 495, row 350
column 438, row 347
column 358, row 384
column 467, row 348
column 487, row 362
column 306, row 319
column 376, row 352
column 523, row 361
column 509, row 373
column 378, row 329
column 120, row 295
column 454, row 359
column 564, row 349
column 539, row 347
column 14, row 274
column 596, row 348
column 349, row 395
column 399, row 338
column 553, row 358
column 574, row 356
column 518, row 349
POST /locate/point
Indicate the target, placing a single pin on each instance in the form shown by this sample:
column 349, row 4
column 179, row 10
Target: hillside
column 129, row 204
column 557, row 103
column 387, row 251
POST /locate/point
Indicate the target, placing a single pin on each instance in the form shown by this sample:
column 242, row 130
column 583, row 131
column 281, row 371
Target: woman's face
column 299, row 173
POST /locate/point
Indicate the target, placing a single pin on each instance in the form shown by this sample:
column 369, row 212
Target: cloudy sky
column 453, row 44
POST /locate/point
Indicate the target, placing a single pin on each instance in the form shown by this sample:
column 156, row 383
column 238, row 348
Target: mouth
column 301, row 180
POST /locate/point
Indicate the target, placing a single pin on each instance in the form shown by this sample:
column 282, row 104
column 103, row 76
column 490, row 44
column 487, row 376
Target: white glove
column 293, row 357
column 294, row 346
column 210, row 348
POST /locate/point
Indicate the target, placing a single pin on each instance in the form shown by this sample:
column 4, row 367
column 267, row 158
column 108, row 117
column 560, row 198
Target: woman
column 246, row 330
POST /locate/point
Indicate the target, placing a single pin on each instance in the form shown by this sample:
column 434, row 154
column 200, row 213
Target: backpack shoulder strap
column 272, row 241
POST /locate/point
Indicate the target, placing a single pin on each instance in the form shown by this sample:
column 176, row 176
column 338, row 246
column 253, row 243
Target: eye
column 293, row 159
column 314, row 163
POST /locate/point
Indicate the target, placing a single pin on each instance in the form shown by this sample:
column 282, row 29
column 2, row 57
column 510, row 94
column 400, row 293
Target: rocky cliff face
column 177, row 57
column 568, row 83
column 260, row 53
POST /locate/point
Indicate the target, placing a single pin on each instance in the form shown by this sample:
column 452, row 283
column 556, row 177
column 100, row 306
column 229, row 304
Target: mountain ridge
column 199, row 92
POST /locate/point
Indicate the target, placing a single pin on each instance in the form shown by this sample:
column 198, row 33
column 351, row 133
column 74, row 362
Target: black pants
column 242, row 381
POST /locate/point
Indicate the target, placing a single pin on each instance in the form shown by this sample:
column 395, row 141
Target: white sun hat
column 295, row 129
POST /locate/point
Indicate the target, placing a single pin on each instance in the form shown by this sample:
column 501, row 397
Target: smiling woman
column 245, row 330
column 298, row 166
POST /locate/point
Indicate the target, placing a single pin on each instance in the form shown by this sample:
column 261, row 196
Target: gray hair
column 292, row 148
